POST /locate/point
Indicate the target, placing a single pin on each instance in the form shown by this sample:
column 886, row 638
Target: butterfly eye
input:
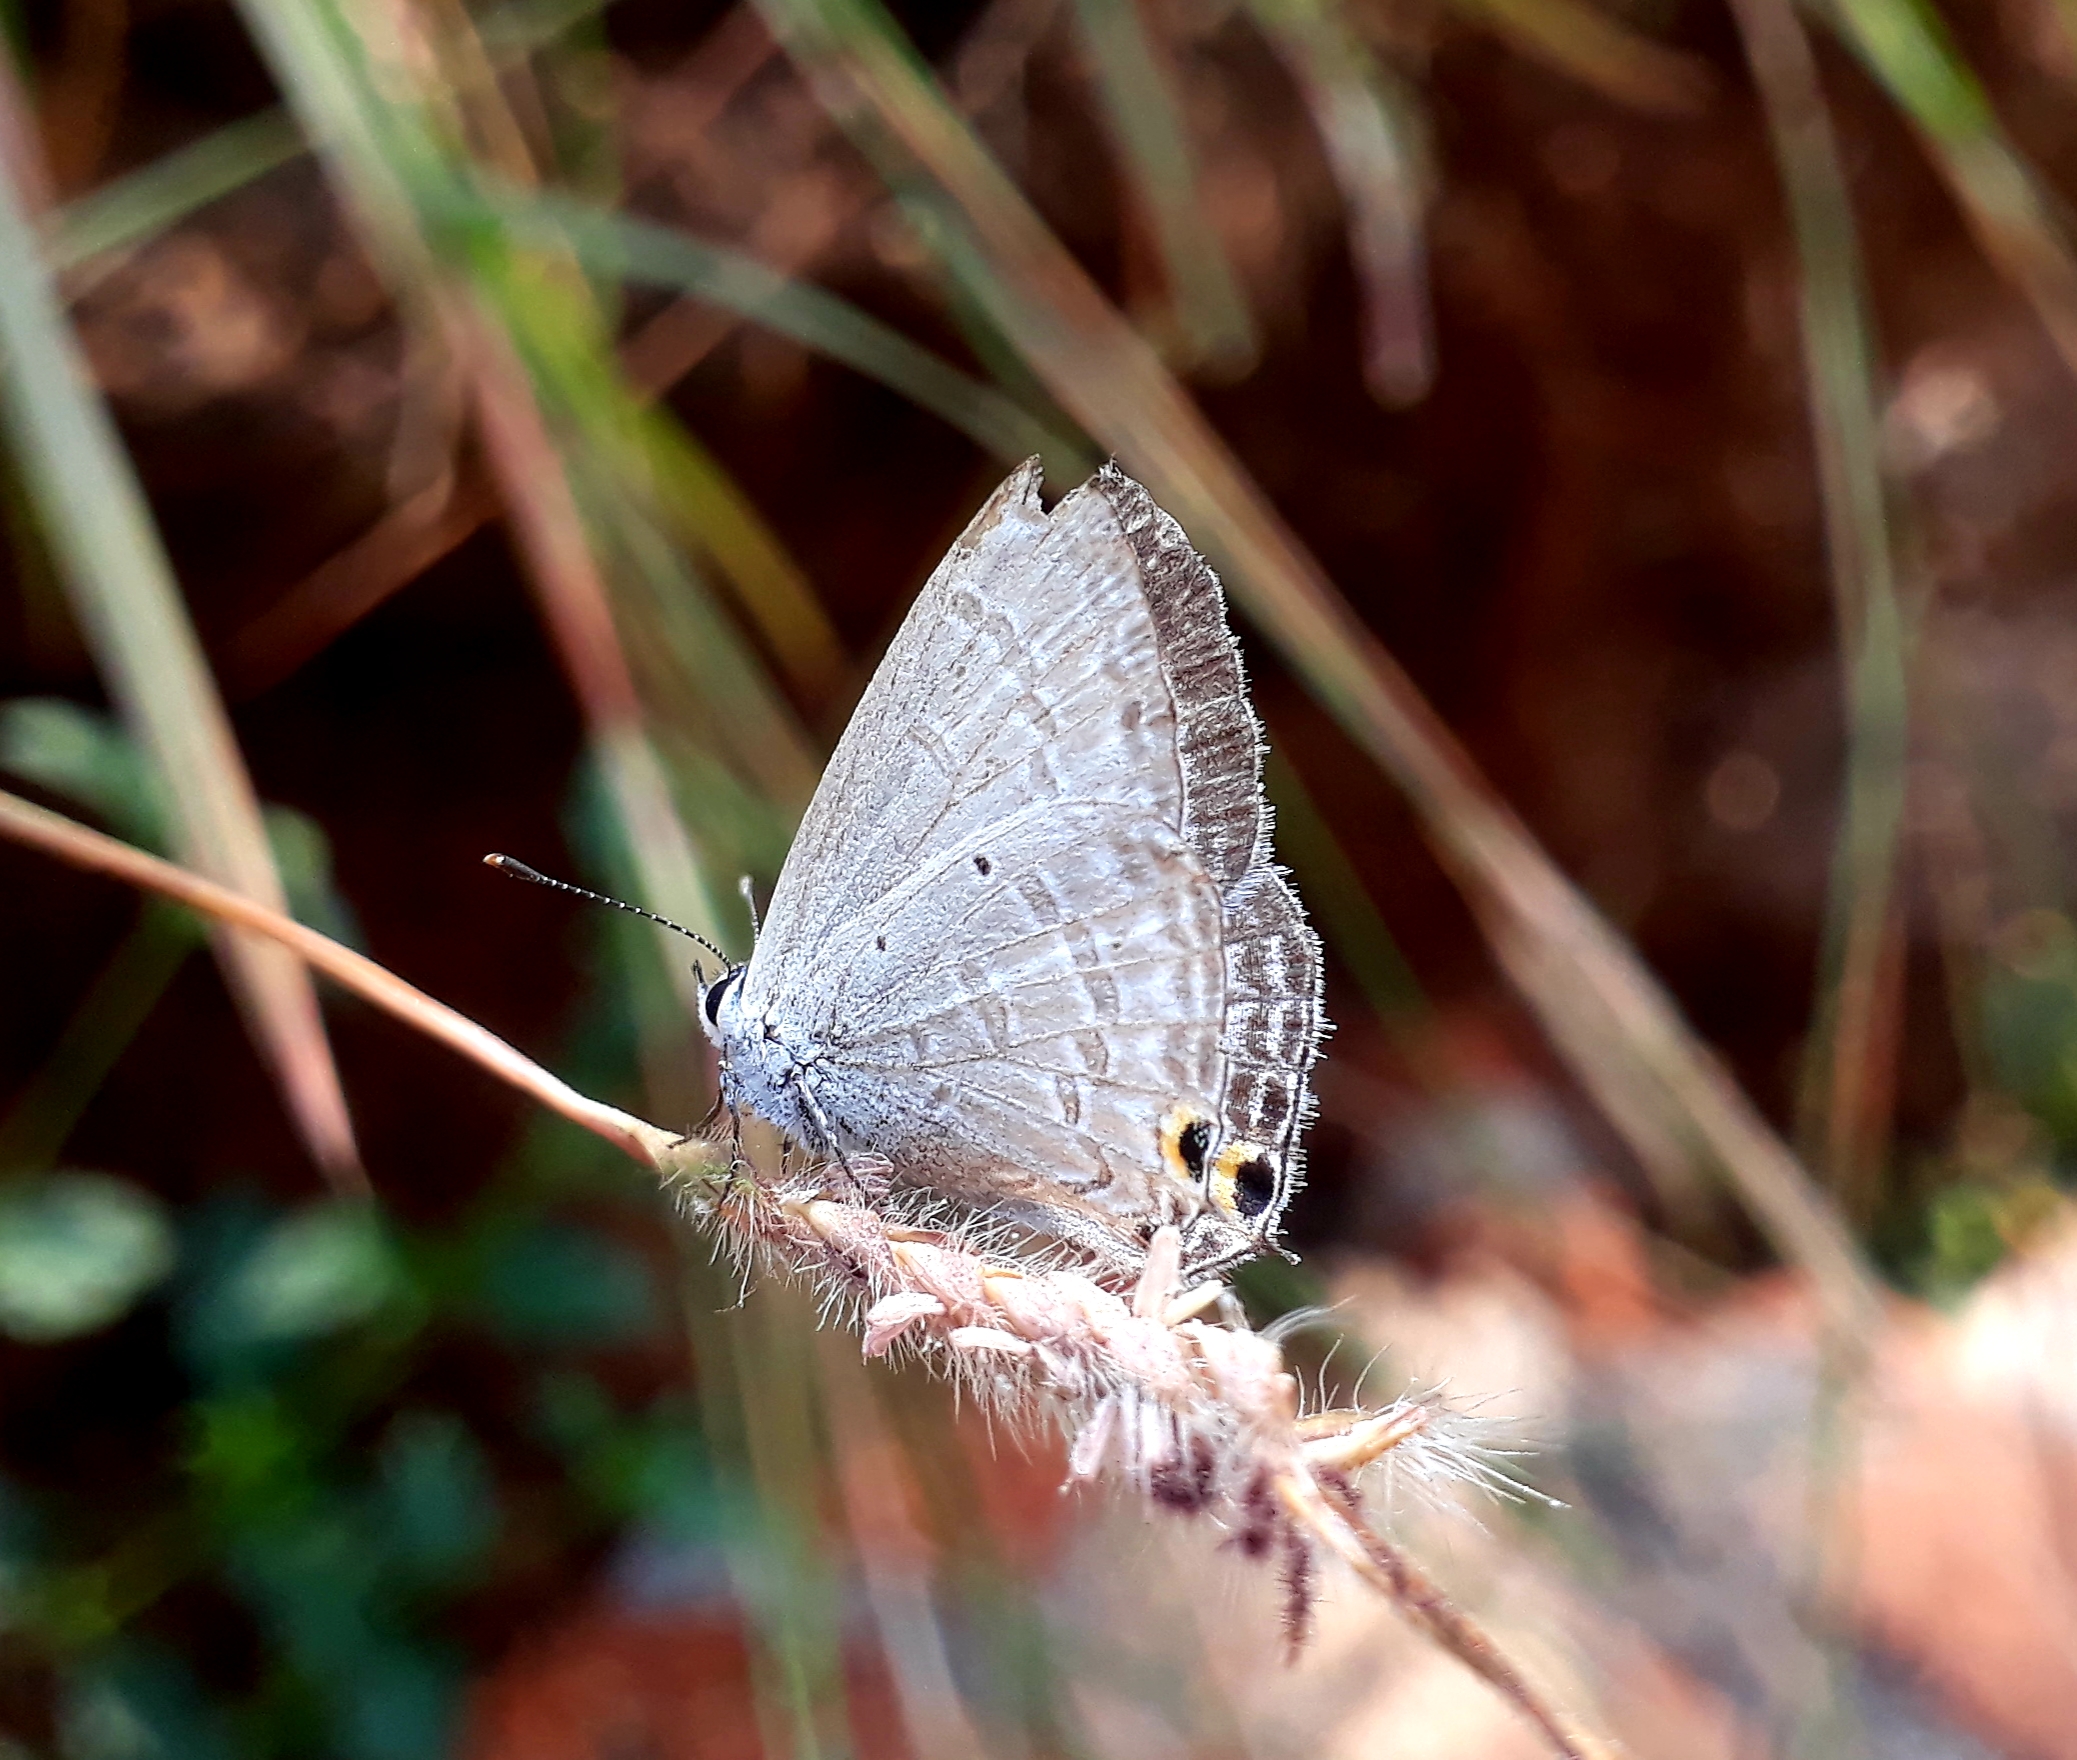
column 715, row 992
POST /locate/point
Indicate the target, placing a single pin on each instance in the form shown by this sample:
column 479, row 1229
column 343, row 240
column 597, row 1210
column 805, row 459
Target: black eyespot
column 880, row 941
column 715, row 992
column 1254, row 1186
column 983, row 866
column 1193, row 1143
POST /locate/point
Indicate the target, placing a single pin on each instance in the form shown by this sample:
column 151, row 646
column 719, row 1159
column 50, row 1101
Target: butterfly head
column 721, row 1005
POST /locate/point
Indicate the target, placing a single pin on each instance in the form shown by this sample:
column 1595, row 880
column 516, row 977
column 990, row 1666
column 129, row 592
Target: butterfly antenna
column 520, row 871
column 749, row 893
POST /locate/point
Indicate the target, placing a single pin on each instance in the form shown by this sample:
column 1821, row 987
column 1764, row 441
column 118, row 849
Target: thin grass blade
column 760, row 1416
column 358, row 97
column 578, row 611
column 143, row 203
column 768, row 586
column 40, row 1117
column 2017, row 218
column 23, row 822
column 1213, row 328
column 1850, row 1063
column 627, row 471
column 1583, row 42
column 1338, row 899
column 1370, row 123
column 158, row 195
column 627, row 248
column 1850, row 1077
column 877, row 1482
column 123, row 591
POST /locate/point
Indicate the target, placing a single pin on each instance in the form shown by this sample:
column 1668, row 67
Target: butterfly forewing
column 1026, row 670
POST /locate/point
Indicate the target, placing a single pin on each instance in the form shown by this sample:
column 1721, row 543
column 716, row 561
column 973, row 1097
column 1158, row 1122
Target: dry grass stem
column 435, row 521
column 71, row 842
column 1202, row 1419
column 415, row 533
column 119, row 582
column 1326, row 1503
column 576, row 605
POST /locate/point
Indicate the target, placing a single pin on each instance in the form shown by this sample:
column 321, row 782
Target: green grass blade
column 1213, row 327
column 2016, row 217
column 142, row 203
column 149, row 200
column 1339, row 901
column 576, row 605
column 540, row 368
column 770, row 589
column 375, row 151
column 1850, row 1061
column 627, row 248
column 123, row 592
column 106, row 1018
column 768, row 586
column 1584, row 43
column 631, row 475
column 1375, row 138
column 758, row 1408
column 520, row 27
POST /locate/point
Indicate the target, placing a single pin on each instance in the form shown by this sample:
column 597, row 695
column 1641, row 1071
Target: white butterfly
column 1030, row 944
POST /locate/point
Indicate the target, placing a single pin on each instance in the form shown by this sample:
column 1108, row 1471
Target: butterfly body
column 1029, row 944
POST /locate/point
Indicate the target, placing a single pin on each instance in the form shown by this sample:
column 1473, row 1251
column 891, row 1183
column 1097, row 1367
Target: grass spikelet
column 1200, row 1417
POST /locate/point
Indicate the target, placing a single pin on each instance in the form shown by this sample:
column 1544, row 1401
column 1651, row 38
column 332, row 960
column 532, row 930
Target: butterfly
column 1030, row 944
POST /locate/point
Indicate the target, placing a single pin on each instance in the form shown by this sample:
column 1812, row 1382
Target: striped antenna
column 520, row 871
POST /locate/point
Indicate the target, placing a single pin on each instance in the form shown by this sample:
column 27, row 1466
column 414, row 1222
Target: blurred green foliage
column 346, row 1548
column 76, row 1252
column 2015, row 1157
column 293, row 1331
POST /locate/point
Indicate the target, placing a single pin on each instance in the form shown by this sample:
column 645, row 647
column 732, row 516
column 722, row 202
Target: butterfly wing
column 1021, row 927
column 1015, row 677
column 1011, row 1030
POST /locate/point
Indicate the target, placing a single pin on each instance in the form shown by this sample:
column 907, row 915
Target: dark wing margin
column 1273, row 1022
column 1220, row 743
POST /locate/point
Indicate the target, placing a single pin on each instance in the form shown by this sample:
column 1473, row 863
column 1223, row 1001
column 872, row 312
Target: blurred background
column 435, row 429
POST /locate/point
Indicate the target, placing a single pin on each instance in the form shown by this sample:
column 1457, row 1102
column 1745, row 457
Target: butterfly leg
column 866, row 1188
column 707, row 1118
column 738, row 1163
